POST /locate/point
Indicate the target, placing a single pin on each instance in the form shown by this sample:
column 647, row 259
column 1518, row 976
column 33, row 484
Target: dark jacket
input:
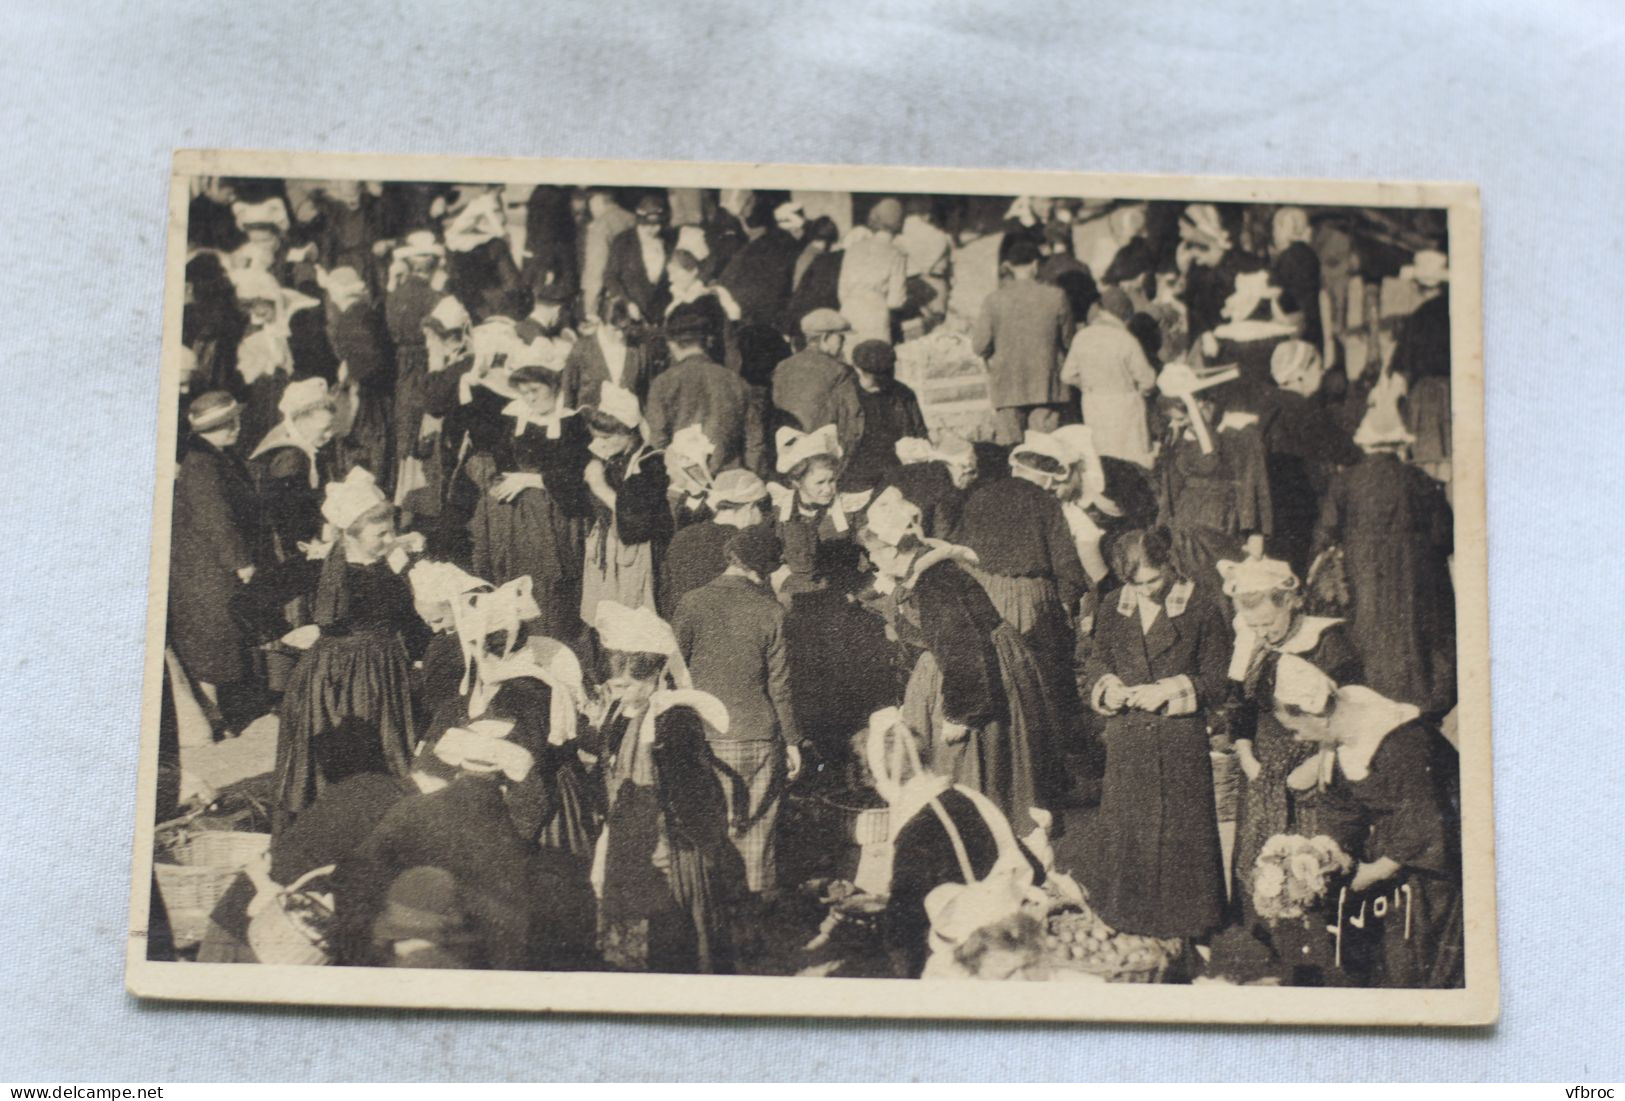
column 585, row 372
column 812, row 389
column 465, row 829
column 1023, row 331
column 759, row 277
column 888, row 414
column 819, row 289
column 1158, row 869
column 216, row 531
column 699, row 391
column 695, row 558
column 626, row 276
column 731, row 632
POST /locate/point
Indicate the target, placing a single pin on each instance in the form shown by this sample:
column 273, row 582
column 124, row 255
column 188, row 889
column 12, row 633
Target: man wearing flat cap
column 731, row 634
column 636, row 269
column 889, row 412
column 815, row 387
column 217, row 544
column 1023, row 332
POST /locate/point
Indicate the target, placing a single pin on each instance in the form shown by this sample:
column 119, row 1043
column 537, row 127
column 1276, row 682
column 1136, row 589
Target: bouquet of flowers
column 1293, row 873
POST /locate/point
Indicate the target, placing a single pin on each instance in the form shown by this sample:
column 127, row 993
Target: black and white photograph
column 660, row 587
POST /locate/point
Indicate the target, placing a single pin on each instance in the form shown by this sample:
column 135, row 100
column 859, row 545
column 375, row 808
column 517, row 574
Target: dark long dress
column 1028, row 563
column 1395, row 528
column 216, row 532
column 976, row 671
column 404, row 310
column 1304, row 445
column 1209, row 502
column 675, row 795
column 538, row 534
column 1266, row 806
column 359, row 341
column 1155, row 868
column 1404, row 809
column 1422, row 356
column 288, row 481
column 348, row 704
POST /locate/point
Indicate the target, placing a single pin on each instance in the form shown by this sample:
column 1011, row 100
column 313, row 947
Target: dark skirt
column 1155, row 867
column 202, row 630
column 1015, row 762
column 574, row 823
column 531, row 536
column 347, row 709
column 368, row 442
column 1032, row 605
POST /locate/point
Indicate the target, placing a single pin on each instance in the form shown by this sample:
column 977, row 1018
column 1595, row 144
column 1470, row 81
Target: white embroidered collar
column 1305, row 637
column 551, row 423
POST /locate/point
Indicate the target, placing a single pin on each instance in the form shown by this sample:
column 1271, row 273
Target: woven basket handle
column 315, row 873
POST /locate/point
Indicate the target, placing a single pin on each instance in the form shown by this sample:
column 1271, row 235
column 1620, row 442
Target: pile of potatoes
column 1078, row 938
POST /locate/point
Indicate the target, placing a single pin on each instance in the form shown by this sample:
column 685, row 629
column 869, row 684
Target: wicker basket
column 1226, row 784
column 195, row 870
column 869, row 828
column 859, row 824
column 290, row 929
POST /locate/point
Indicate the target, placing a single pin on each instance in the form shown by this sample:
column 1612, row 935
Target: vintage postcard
column 839, row 591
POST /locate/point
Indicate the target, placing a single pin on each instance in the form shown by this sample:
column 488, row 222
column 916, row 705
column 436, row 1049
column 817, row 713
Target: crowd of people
column 572, row 532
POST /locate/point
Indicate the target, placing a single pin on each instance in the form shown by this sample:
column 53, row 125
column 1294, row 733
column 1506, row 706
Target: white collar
column 1305, row 638
column 522, row 416
column 1244, row 331
column 1178, row 598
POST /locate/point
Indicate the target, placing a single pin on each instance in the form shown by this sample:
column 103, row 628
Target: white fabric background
column 1523, row 99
